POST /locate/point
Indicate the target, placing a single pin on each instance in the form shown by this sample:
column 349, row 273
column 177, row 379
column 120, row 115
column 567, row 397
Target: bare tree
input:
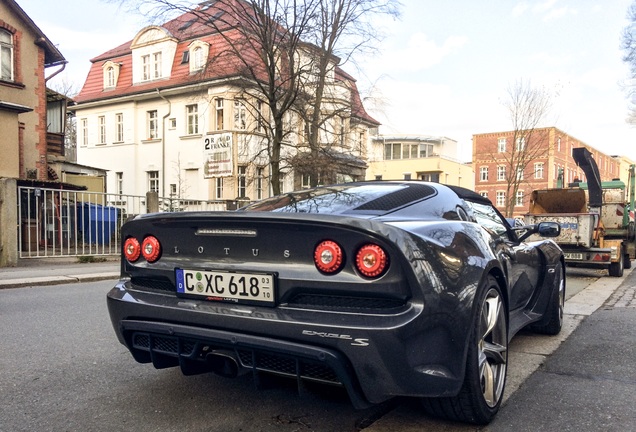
column 340, row 29
column 528, row 107
column 68, row 90
column 286, row 52
column 628, row 45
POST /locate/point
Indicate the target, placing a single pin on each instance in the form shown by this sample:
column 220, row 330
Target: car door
column 521, row 261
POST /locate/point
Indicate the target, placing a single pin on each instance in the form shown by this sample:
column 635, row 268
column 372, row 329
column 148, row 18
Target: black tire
column 616, row 268
column 552, row 320
column 627, row 261
column 486, row 363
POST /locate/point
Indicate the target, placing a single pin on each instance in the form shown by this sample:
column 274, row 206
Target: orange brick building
column 551, row 152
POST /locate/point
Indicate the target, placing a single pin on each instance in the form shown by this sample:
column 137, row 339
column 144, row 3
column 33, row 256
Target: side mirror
column 544, row 229
column 549, row 229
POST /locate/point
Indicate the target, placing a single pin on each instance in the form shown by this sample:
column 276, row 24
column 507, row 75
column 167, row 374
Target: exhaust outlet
column 224, row 363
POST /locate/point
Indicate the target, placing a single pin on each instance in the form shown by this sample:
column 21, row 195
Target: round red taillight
column 132, row 249
column 371, row 260
column 151, row 249
column 328, row 256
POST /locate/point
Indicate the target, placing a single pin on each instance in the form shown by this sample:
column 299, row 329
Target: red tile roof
column 186, row 28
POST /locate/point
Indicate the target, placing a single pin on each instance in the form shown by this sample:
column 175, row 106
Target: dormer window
column 153, row 51
column 111, row 74
column 199, row 51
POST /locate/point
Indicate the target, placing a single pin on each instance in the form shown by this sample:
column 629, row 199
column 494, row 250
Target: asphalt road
column 62, row 369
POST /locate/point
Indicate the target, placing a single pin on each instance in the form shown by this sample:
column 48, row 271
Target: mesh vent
column 340, row 303
column 153, row 283
column 287, row 366
column 413, row 192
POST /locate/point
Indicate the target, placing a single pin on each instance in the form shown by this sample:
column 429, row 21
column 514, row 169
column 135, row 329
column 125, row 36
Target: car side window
column 489, row 218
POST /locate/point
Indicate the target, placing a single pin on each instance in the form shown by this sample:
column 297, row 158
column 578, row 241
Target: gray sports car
column 385, row 288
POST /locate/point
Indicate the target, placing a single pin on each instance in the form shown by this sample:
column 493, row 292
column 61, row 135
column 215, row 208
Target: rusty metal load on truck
column 596, row 218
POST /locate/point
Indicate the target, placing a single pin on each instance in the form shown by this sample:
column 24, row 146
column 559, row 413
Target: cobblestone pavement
column 624, row 296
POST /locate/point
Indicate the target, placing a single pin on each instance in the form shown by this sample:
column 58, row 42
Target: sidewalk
column 55, row 271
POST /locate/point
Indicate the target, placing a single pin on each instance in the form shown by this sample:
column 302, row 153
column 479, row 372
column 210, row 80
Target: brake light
column 371, row 260
column 132, row 249
column 151, row 249
column 328, row 256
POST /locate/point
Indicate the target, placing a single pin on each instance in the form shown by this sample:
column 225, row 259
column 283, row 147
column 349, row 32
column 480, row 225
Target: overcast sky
column 444, row 67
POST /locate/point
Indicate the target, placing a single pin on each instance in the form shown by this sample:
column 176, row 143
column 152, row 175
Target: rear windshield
column 372, row 198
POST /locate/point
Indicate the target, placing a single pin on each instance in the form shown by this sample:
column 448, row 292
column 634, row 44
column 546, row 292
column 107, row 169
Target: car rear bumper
column 374, row 357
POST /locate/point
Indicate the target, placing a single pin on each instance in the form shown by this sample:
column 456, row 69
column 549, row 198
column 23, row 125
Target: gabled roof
column 52, row 56
column 185, row 29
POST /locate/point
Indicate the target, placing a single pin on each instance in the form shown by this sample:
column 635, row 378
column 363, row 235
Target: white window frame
column 152, row 120
column 521, row 144
column 260, row 181
column 519, row 173
column 192, row 119
column 484, row 194
column 84, row 131
column 240, row 115
column 501, row 173
column 156, row 65
column 501, row 145
column 6, row 56
column 101, row 132
column 219, row 188
column 119, row 182
column 241, row 181
column 501, row 199
column 119, row 122
column 538, row 170
column 153, row 181
column 519, row 199
column 219, row 114
column 110, row 76
column 483, row 173
column 145, row 67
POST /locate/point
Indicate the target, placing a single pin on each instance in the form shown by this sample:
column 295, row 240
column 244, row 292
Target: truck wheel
column 616, row 268
column 627, row 261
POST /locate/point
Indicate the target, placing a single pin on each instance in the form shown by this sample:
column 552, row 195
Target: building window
column 152, row 124
column 483, row 173
column 305, row 181
column 219, row 114
column 259, row 116
column 6, row 55
column 342, row 132
column 197, row 58
column 119, row 183
column 242, row 181
column 110, row 77
column 501, row 145
column 484, row 194
column 219, row 188
column 521, row 144
column 538, row 170
column 240, row 115
column 153, row 181
column 192, row 114
column 501, row 173
column 519, row 199
column 145, row 64
column 156, row 65
column 559, row 144
column 102, row 130
column 260, row 180
column 84, row 131
column 119, row 120
column 501, row 199
column 519, row 173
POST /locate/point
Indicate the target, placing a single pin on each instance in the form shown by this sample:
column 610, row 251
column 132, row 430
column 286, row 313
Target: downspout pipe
column 163, row 144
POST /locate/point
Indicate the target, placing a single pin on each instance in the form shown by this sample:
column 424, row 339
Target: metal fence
column 58, row 223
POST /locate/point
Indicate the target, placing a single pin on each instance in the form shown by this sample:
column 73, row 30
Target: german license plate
column 226, row 286
column 573, row 256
